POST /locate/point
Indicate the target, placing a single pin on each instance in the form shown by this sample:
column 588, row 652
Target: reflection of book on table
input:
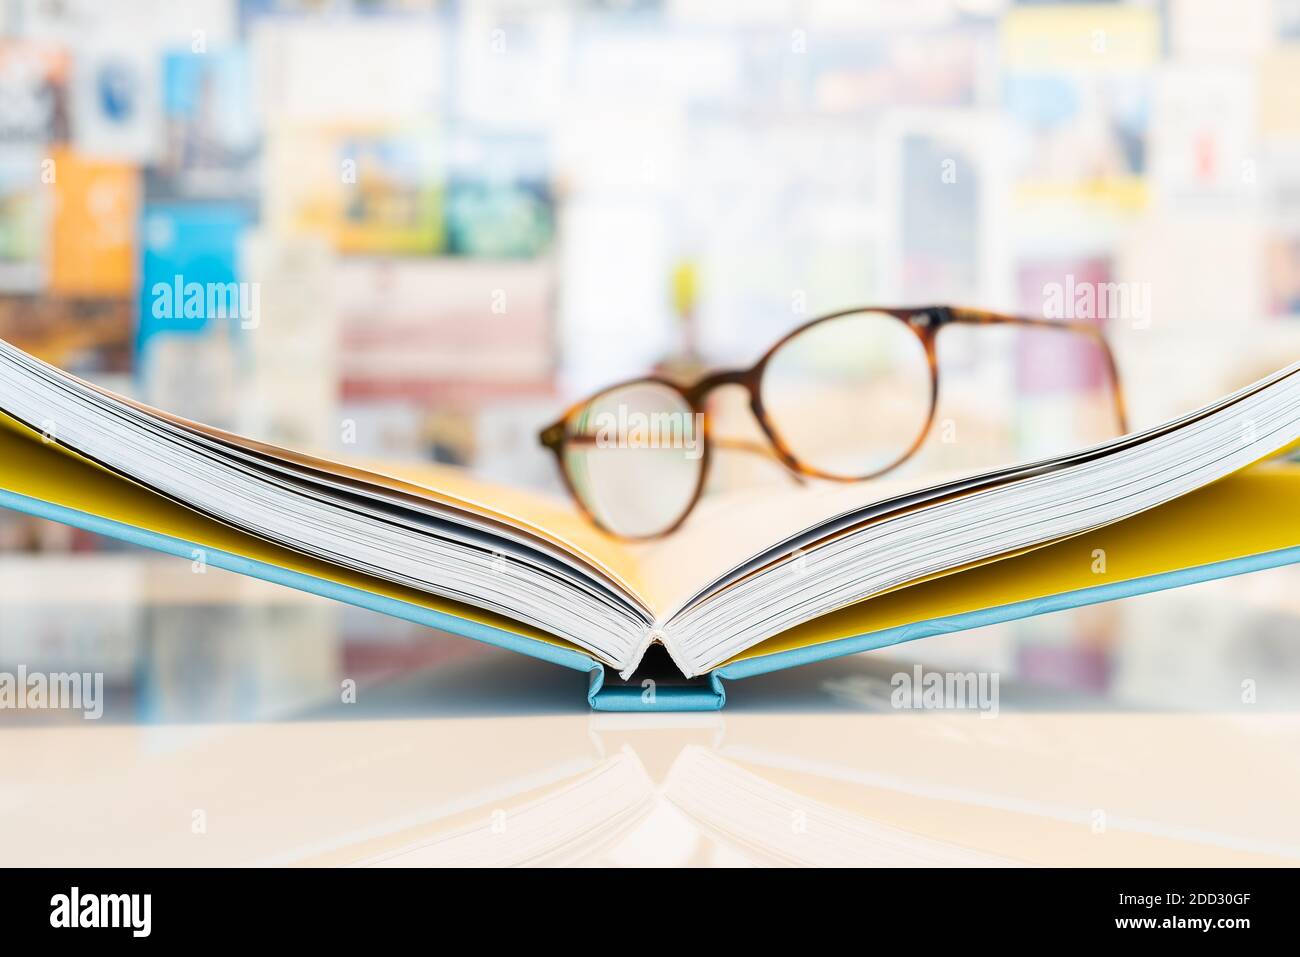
column 957, row 795
column 902, row 787
column 562, row 824
column 588, row 817
column 776, row 826
column 751, row 584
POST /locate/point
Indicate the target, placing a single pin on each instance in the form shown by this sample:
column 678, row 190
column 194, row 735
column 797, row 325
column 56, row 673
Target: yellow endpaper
column 1250, row 512
column 40, row 470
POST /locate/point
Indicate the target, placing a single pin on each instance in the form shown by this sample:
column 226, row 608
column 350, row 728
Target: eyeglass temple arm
column 756, row 448
column 720, row 442
column 985, row 317
column 552, row 437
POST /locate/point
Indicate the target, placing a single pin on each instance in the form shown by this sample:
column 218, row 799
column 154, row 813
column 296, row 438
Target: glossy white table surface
column 1122, row 736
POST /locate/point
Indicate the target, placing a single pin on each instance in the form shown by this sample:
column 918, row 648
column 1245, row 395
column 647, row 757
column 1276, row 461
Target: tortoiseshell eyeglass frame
column 924, row 321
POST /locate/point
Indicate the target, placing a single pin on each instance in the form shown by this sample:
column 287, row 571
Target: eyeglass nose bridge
column 716, row 380
column 749, row 380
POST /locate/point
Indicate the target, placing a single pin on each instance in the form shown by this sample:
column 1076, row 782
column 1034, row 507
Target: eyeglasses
column 846, row 397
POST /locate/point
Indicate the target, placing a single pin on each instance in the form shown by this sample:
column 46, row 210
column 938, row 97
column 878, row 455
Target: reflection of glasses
column 845, row 397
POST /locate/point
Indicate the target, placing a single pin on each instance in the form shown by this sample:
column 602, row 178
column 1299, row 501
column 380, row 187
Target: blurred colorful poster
column 1282, row 279
column 189, row 341
column 319, row 70
column 1214, row 31
column 776, row 241
column 392, row 194
column 151, row 23
column 423, row 329
column 512, row 61
column 853, row 72
column 1080, row 137
column 184, row 246
column 1279, row 93
column 940, row 250
column 1077, row 87
column 24, row 225
column 499, row 218
column 33, row 93
column 1074, row 290
column 251, row 10
column 1063, row 392
column 371, row 191
column 1089, row 36
column 117, row 99
column 92, row 235
column 1202, row 133
column 210, row 128
column 499, row 200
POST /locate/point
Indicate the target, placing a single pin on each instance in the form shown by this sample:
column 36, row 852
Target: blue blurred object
column 499, row 198
column 116, row 84
column 195, row 242
column 214, row 90
column 212, row 137
column 499, row 219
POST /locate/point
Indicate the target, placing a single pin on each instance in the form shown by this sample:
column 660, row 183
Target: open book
column 752, row 582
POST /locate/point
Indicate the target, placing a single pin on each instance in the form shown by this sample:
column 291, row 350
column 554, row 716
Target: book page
column 48, row 472
column 727, row 531
column 731, row 535
column 726, row 535
column 555, row 519
column 547, row 518
column 723, row 532
column 1251, row 512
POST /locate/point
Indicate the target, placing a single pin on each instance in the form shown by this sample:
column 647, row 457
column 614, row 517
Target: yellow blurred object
column 685, row 287
column 93, row 225
column 370, row 189
column 1088, row 36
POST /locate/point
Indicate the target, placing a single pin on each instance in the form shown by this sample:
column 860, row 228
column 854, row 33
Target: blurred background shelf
column 90, row 579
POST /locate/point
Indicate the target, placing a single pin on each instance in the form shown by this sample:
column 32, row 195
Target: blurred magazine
column 752, row 583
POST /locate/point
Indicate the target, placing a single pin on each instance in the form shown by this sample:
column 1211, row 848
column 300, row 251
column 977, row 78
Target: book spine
column 650, row 636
